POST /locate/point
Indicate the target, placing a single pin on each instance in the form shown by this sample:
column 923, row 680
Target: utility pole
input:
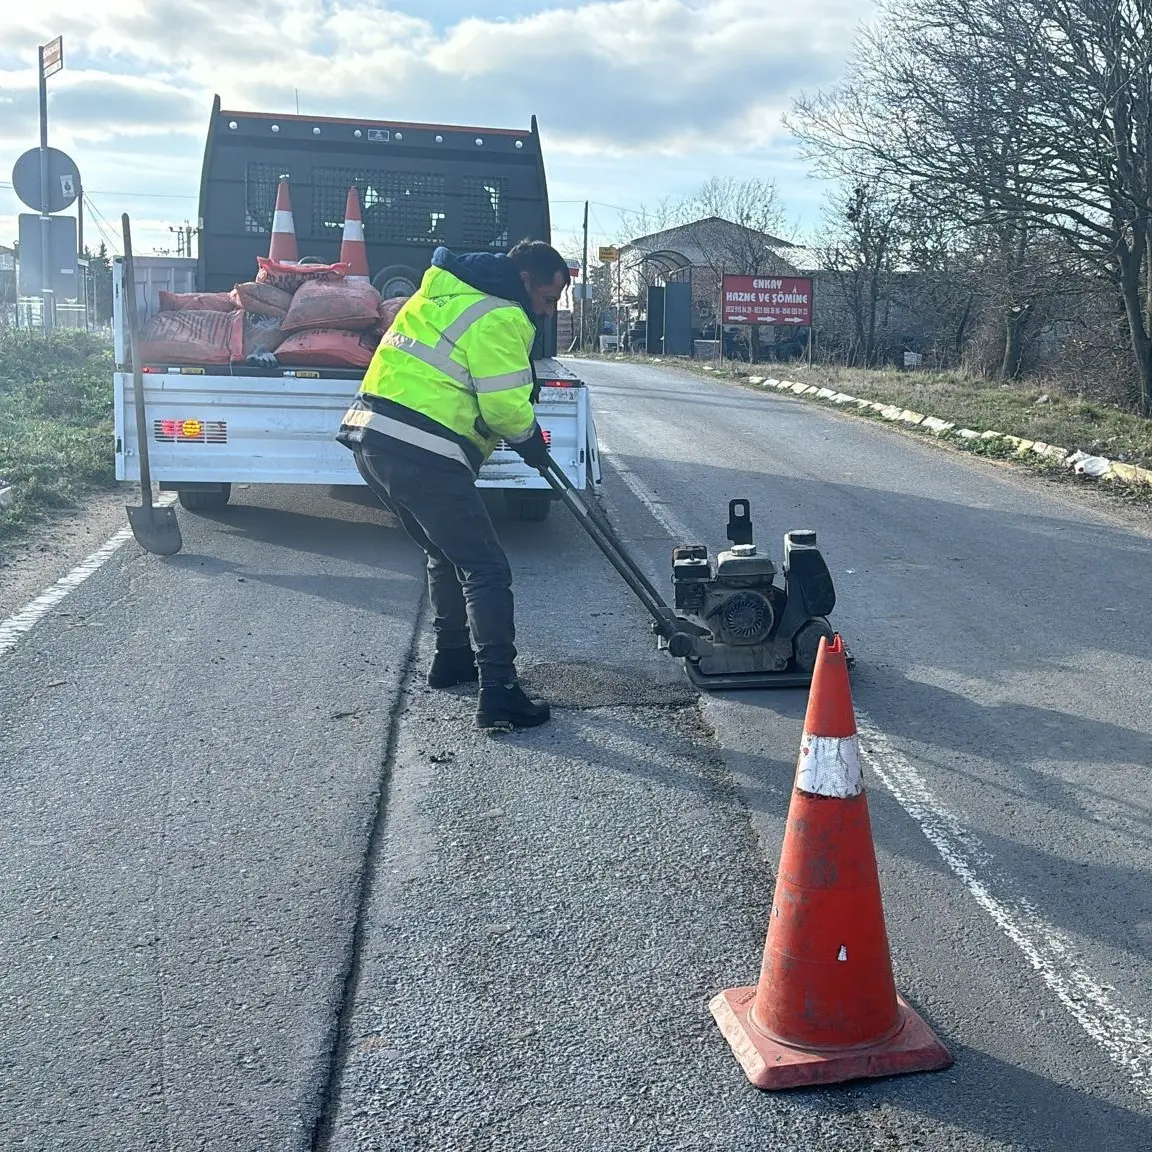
column 619, row 303
column 183, row 238
column 587, row 280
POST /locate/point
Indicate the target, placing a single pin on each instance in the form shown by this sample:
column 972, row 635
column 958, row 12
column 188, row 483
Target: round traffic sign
column 63, row 180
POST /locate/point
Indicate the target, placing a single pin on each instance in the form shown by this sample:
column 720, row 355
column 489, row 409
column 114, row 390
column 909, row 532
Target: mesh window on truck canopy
column 420, row 185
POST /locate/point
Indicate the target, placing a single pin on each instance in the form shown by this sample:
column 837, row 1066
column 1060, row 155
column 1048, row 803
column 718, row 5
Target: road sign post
column 619, row 316
column 51, row 61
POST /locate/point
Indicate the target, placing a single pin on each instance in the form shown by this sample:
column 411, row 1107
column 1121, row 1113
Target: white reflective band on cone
column 830, row 766
column 282, row 221
column 354, row 230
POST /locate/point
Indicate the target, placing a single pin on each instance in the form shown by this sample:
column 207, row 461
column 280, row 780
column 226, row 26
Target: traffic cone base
column 826, row 1008
column 772, row 1065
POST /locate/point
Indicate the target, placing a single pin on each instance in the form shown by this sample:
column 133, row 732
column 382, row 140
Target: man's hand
column 534, row 450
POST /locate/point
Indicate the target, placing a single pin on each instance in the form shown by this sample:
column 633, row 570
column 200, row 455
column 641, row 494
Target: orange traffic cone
column 826, row 1008
column 283, row 245
column 352, row 249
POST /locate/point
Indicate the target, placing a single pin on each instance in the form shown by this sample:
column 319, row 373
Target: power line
column 189, row 196
column 107, row 232
column 131, row 195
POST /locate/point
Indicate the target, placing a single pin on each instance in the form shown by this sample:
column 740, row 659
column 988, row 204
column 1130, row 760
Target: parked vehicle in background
column 420, row 186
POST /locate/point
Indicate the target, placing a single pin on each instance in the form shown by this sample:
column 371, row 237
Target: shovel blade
column 156, row 529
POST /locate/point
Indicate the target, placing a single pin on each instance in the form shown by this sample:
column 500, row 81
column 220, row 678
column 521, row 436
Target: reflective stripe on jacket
column 462, row 360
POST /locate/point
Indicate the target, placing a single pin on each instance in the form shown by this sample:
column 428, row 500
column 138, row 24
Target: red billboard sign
column 767, row 300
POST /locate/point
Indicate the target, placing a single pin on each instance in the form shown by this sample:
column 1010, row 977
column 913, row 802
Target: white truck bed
column 242, row 425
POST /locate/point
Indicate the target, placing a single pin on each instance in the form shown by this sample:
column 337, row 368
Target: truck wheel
column 396, row 280
column 533, row 506
column 196, row 500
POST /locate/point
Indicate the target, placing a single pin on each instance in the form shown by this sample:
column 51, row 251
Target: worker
column 451, row 379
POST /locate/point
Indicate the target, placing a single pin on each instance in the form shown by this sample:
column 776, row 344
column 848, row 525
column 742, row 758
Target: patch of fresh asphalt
column 191, row 763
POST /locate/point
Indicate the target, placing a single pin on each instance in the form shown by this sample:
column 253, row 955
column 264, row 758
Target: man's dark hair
column 541, row 261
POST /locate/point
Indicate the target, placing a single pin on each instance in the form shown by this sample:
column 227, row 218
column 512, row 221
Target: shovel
column 156, row 529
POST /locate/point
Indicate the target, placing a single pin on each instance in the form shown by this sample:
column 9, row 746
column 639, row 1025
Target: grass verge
column 1028, row 411
column 55, row 422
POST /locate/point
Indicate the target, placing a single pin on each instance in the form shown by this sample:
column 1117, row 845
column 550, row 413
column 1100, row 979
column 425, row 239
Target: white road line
column 1125, row 1039
column 20, row 624
column 671, row 523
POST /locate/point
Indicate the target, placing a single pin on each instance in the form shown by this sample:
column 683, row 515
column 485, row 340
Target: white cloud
column 656, row 85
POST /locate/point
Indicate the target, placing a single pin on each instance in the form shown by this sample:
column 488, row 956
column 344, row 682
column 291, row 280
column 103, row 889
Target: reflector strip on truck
column 190, row 431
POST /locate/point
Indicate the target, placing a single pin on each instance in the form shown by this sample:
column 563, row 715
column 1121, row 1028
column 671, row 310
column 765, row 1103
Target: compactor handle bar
column 603, row 535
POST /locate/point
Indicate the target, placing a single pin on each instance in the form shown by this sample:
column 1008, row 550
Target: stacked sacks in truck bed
column 332, row 322
column 292, row 315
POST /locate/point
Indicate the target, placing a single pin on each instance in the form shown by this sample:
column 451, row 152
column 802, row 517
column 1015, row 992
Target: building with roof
column 682, row 268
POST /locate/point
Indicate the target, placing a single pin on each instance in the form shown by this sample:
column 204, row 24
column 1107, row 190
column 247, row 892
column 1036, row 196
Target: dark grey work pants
column 469, row 580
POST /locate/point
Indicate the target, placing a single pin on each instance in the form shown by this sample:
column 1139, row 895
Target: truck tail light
column 190, row 430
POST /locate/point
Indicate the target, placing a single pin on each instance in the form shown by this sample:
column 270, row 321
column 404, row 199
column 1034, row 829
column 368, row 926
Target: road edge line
column 19, row 624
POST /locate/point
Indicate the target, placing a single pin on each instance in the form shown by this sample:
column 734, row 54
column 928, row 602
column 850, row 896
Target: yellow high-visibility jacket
column 453, row 375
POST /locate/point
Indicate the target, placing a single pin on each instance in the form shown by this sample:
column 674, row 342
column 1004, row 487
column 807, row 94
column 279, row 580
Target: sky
column 637, row 100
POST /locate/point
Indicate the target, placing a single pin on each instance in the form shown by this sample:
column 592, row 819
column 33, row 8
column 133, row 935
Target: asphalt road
column 190, row 763
column 256, row 897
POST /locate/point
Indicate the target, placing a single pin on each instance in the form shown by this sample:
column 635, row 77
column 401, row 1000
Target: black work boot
column 505, row 706
column 452, row 666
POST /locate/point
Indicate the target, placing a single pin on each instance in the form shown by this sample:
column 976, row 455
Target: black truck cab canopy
column 420, row 185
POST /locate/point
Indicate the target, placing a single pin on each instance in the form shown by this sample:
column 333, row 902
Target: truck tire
column 528, row 506
column 195, row 500
column 396, row 280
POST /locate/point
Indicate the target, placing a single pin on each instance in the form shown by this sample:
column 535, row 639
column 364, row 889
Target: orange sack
column 196, row 301
column 388, row 310
column 262, row 299
column 289, row 277
column 192, row 336
column 329, row 348
column 346, row 305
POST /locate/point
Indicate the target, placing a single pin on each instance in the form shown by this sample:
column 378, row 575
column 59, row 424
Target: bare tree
column 858, row 248
column 754, row 206
column 1023, row 119
column 927, row 97
column 647, row 220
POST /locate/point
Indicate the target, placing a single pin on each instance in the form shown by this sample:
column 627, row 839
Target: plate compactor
column 733, row 625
